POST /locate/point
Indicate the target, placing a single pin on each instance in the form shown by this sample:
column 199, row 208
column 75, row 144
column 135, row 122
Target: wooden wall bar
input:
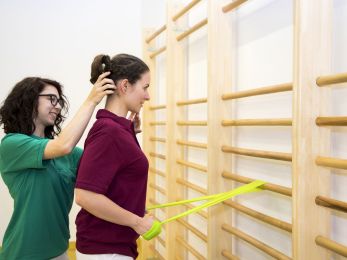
column 311, row 120
column 312, row 23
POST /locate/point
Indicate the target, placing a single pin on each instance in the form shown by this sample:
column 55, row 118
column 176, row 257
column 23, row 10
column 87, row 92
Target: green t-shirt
column 42, row 191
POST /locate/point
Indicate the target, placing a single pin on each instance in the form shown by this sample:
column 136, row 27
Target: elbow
column 65, row 149
column 79, row 197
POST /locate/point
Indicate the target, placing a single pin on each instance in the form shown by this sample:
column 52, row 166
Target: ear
column 122, row 86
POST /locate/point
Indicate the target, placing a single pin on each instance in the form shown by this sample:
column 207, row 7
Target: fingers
column 108, row 87
column 132, row 116
column 103, row 76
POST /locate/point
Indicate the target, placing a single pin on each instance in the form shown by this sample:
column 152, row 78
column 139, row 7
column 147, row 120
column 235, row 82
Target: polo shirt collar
column 103, row 113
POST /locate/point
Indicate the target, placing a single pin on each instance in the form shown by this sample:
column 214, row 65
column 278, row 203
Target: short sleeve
column 99, row 164
column 76, row 156
column 19, row 151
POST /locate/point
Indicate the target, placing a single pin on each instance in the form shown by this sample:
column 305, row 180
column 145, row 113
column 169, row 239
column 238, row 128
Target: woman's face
column 48, row 107
column 138, row 93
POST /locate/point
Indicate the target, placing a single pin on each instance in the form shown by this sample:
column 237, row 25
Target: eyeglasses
column 54, row 99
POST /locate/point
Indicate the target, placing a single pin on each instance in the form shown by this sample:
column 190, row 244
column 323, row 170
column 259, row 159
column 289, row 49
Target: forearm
column 73, row 131
column 104, row 208
column 71, row 134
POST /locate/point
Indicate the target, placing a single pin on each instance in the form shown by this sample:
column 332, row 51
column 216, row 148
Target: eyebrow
column 49, row 94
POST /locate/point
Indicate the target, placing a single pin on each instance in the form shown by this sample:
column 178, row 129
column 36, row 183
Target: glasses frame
column 54, row 99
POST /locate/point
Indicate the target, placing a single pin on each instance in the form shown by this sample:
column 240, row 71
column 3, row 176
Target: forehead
column 49, row 89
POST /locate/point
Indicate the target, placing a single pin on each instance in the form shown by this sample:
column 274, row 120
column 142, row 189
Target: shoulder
column 15, row 139
column 106, row 128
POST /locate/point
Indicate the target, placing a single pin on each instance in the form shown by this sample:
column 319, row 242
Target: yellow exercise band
column 213, row 200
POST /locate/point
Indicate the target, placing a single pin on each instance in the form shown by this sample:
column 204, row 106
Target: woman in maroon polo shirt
column 112, row 175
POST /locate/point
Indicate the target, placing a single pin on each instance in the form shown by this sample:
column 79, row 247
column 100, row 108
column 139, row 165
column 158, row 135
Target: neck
column 116, row 106
column 39, row 130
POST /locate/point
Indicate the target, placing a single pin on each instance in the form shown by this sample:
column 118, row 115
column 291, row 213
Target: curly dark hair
column 121, row 66
column 19, row 109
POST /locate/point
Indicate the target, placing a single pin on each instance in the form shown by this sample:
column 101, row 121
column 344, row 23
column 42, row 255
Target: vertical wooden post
column 148, row 130
column 176, row 67
column 219, row 82
column 312, row 53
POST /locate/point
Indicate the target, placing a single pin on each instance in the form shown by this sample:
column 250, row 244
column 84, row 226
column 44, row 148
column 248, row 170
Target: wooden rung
column 160, row 173
column 157, row 107
column 192, row 186
column 191, row 30
column 331, row 203
column 192, row 165
column 202, row 213
column 157, row 155
column 229, row 255
column 258, row 153
column 190, row 248
column 258, row 244
column 332, row 121
column 185, row 9
column 154, row 202
column 331, row 162
column 259, row 91
column 331, row 79
column 192, row 102
column 331, row 245
column 258, row 122
column 156, row 253
column 161, row 241
column 260, row 216
column 156, row 33
column 193, row 229
column 268, row 186
column 234, row 4
column 192, row 123
column 192, row 144
column 157, row 52
column 157, row 123
column 157, row 139
column 160, row 220
column 156, row 187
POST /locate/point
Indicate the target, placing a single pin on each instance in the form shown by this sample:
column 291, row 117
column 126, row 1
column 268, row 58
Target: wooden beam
column 331, row 79
column 312, row 58
column 191, row 30
column 259, row 91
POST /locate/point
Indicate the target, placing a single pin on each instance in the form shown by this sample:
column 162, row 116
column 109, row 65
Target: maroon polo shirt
column 114, row 165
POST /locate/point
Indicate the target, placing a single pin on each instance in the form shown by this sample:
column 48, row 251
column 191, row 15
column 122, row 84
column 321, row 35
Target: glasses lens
column 54, row 100
column 61, row 102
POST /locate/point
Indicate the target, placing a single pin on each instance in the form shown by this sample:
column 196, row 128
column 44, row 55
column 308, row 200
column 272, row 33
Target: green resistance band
column 213, row 200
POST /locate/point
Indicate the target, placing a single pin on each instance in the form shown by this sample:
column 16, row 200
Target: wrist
column 135, row 222
column 90, row 103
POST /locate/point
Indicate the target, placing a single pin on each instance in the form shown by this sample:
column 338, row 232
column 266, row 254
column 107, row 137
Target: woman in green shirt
column 38, row 162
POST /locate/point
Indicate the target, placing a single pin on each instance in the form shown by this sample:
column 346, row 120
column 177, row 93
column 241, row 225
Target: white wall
column 58, row 40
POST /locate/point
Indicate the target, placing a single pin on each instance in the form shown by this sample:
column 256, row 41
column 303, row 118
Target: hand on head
column 103, row 86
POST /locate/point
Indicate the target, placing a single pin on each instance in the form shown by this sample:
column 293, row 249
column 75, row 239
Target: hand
column 135, row 118
column 144, row 224
column 102, row 87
